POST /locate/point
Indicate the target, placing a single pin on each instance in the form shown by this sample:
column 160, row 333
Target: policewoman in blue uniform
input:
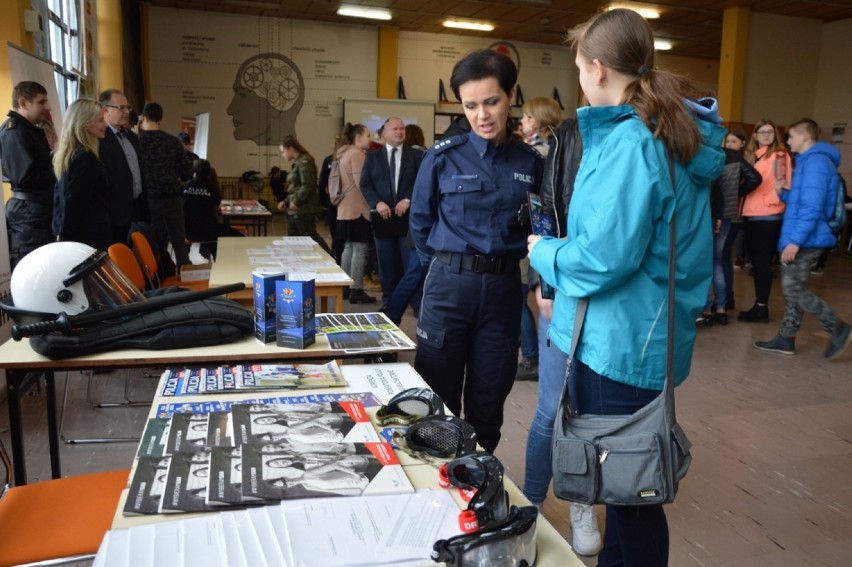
column 465, row 223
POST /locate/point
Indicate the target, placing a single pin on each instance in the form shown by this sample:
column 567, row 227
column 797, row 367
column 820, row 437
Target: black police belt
column 478, row 263
column 34, row 197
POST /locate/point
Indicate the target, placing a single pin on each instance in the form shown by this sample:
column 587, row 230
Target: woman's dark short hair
column 483, row 64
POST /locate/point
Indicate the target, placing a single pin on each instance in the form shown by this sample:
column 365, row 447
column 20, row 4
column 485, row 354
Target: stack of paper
column 375, row 530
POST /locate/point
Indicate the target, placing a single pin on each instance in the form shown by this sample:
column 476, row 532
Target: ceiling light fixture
column 358, row 12
column 663, row 45
column 461, row 25
column 645, row 10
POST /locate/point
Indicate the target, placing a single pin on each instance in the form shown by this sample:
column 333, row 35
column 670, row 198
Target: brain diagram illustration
column 268, row 95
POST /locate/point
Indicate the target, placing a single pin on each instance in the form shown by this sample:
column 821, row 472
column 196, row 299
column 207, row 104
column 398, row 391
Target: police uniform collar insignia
column 443, row 144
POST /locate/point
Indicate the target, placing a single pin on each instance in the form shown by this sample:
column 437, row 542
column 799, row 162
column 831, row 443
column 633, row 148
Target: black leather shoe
column 721, row 318
column 358, row 296
column 757, row 314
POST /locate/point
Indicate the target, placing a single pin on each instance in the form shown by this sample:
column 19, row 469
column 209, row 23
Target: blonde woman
column 80, row 198
column 540, row 116
column 763, row 212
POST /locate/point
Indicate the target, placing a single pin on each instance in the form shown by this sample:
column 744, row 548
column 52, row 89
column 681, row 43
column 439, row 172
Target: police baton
column 67, row 323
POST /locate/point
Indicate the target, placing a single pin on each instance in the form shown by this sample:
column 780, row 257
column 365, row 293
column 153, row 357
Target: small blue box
column 263, row 282
column 295, row 308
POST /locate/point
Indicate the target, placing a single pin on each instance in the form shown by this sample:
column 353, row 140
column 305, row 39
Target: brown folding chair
column 56, row 522
column 150, row 266
column 123, row 257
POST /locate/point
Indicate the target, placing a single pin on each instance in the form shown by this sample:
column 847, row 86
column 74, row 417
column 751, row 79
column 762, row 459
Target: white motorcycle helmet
column 69, row 277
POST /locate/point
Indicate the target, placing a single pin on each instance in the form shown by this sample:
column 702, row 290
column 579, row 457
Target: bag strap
column 583, row 305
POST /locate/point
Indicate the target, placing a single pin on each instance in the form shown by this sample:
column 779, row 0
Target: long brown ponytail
column 623, row 41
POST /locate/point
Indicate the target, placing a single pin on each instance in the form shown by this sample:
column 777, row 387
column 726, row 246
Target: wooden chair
column 55, row 522
column 150, row 266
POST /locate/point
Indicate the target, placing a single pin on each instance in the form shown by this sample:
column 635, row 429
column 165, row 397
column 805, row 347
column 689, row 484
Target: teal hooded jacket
column 617, row 246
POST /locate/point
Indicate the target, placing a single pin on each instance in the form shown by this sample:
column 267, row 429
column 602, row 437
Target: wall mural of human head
column 268, row 95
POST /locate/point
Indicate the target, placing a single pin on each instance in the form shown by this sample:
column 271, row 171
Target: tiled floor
column 771, row 480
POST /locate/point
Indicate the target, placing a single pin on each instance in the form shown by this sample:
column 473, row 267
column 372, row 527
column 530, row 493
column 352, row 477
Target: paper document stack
column 374, row 530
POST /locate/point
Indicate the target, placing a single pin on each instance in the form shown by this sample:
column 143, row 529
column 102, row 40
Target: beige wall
column 834, row 77
column 704, row 73
column 781, row 68
column 834, row 88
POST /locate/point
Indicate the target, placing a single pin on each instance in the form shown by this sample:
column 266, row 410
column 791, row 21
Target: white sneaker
column 584, row 525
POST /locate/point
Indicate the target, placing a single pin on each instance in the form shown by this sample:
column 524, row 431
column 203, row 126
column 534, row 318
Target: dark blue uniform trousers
column 392, row 258
column 467, row 342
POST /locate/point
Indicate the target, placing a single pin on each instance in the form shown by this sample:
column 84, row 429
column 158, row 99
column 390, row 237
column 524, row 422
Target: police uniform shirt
column 468, row 194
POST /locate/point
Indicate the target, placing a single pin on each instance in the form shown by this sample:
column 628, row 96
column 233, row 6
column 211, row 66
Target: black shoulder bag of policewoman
column 622, row 459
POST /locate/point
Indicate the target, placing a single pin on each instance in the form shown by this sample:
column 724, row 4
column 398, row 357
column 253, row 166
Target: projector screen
column 372, row 113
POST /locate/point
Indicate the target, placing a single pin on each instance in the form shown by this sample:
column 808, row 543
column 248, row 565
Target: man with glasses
column 387, row 182
column 119, row 152
column 26, row 163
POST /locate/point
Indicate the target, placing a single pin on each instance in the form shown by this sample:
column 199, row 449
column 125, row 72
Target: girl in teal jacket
column 617, row 246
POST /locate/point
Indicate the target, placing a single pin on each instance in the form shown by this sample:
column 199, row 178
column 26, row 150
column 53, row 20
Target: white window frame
column 66, row 46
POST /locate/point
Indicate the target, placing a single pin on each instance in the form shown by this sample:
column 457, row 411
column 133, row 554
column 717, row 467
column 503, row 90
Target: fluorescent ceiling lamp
column 476, row 26
column 357, row 12
column 646, row 11
column 662, row 45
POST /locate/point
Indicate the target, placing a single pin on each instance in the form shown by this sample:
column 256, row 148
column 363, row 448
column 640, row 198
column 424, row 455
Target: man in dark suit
column 387, row 181
column 119, row 152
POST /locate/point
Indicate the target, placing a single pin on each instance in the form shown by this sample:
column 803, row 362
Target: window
column 66, row 47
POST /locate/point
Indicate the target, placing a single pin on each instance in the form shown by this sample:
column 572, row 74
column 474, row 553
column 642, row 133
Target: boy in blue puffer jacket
column 805, row 232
